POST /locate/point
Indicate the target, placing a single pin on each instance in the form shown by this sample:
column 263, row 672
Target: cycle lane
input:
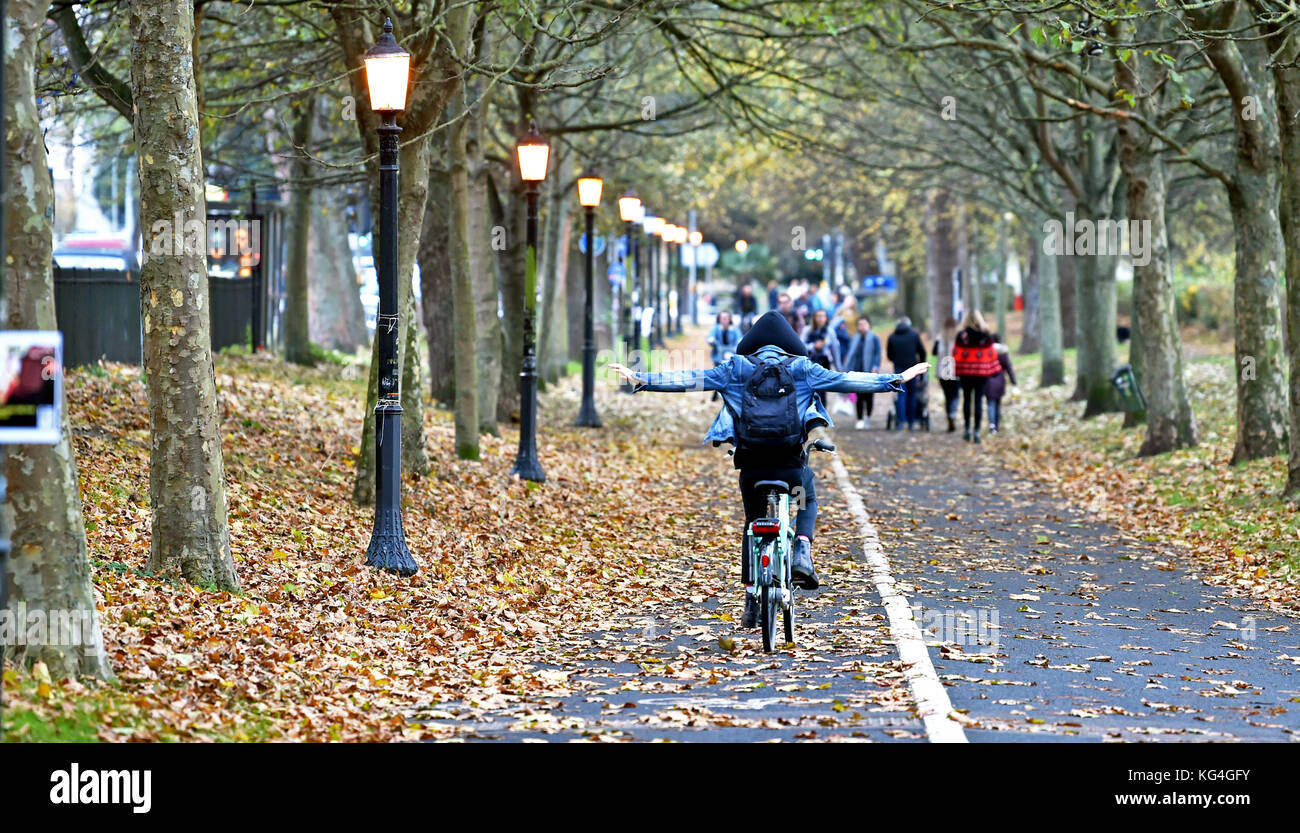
column 1046, row 625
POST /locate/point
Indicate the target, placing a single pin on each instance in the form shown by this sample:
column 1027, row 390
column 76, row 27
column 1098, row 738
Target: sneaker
column 965, row 435
column 861, row 424
column 977, row 435
column 952, row 425
column 749, row 619
column 801, row 566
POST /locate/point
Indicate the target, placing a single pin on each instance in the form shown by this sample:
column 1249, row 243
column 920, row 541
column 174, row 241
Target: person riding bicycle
column 770, row 371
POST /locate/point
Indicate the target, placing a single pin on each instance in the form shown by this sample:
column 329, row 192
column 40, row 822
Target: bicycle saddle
column 772, row 484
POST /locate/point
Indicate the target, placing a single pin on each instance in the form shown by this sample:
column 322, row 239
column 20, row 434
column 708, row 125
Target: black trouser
column 865, row 401
column 972, row 390
column 755, row 501
column 951, row 392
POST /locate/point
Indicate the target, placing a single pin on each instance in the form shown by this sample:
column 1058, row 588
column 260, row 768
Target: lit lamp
column 387, row 74
column 741, row 246
column 533, row 154
column 631, row 212
column 589, row 188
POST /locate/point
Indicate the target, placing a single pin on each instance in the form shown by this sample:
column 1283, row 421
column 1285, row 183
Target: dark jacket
column 996, row 386
column 904, row 348
column 864, row 354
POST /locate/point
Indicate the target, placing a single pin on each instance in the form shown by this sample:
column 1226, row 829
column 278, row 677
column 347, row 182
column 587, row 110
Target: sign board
column 31, row 386
column 879, row 283
column 600, row 244
column 705, row 254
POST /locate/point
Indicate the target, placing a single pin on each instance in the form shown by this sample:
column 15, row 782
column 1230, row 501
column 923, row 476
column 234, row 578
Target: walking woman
column 974, row 360
column 996, row 387
column 947, row 374
column 863, row 356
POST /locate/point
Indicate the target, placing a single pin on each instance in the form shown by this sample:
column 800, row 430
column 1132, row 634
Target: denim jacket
column 730, row 377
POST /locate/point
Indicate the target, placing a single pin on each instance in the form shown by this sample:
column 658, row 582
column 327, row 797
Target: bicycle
column 771, row 547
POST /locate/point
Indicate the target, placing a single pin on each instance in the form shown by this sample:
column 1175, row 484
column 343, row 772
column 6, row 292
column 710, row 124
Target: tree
column 191, row 537
column 48, row 569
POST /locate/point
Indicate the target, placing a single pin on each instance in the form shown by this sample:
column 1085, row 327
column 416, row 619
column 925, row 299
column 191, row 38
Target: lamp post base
column 527, row 466
column 388, row 550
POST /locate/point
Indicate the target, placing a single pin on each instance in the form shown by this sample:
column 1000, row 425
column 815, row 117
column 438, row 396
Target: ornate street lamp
column 631, row 212
column 533, row 154
column 387, row 73
column 589, row 187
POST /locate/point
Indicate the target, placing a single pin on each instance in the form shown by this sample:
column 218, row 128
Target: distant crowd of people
column 974, row 366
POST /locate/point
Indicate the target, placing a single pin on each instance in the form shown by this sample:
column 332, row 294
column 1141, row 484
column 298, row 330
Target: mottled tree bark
column 48, row 568
column 1253, row 195
column 435, row 283
column 510, row 216
column 487, row 283
column 337, row 320
column 1156, row 354
column 191, row 537
column 940, row 254
column 1286, row 78
column 297, row 306
column 462, row 277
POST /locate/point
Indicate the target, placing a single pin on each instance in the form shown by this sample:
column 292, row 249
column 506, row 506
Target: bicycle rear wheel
column 767, row 612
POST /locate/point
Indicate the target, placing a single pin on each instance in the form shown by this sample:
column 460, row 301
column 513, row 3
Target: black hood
column 771, row 328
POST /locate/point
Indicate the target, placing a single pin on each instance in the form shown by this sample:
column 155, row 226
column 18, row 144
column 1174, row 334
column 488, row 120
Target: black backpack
column 769, row 420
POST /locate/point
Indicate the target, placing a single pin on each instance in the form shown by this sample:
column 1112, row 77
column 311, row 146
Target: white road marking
column 932, row 701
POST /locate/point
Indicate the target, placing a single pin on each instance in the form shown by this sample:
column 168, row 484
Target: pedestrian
column 903, row 349
column 747, row 306
column 863, row 356
column 723, row 338
column 785, row 306
column 996, row 387
column 773, row 293
column 974, row 360
column 821, row 328
column 947, row 375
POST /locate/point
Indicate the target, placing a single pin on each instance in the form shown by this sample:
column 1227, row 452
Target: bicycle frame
column 776, row 545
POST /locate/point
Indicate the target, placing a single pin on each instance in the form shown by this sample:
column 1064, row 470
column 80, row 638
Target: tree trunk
column 412, row 191
column 487, row 283
column 297, row 305
column 1030, row 341
column 1286, row 76
column 191, row 537
column 1050, row 325
column 1004, row 265
column 337, row 320
column 1154, row 350
column 940, row 255
column 435, row 284
column 462, row 278
column 48, row 568
column 510, row 215
column 1253, row 196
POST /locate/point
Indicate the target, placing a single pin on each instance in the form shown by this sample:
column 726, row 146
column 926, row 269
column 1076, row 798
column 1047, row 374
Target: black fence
column 98, row 310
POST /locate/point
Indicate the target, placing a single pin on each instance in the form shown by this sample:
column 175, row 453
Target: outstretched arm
column 715, row 378
column 822, row 379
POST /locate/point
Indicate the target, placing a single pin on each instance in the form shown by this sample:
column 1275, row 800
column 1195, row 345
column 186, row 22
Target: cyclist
column 772, row 373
